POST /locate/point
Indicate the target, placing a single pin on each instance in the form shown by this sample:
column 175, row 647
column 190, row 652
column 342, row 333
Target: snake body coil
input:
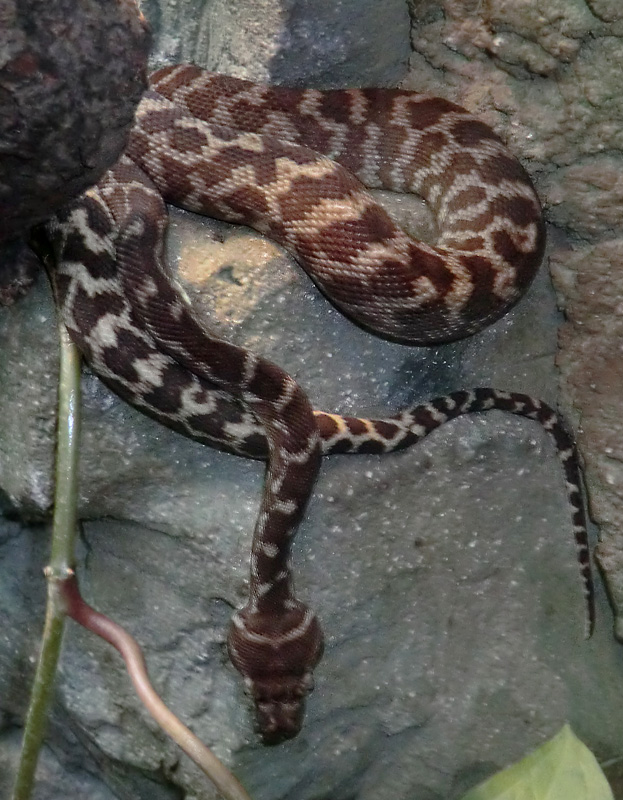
column 264, row 157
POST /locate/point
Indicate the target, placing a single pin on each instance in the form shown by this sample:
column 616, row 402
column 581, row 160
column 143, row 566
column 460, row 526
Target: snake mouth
column 280, row 706
column 278, row 721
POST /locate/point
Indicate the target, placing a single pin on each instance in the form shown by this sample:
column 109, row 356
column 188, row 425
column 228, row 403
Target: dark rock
column 71, row 74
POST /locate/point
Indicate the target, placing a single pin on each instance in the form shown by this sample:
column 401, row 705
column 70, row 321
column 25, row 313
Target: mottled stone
column 568, row 121
column 292, row 42
column 590, row 362
column 444, row 577
column 54, row 779
column 71, row 75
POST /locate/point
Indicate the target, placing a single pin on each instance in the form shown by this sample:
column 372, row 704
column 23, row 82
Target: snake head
column 280, row 705
column 276, row 654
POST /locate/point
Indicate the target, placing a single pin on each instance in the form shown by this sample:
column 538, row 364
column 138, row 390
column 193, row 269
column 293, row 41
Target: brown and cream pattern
column 264, row 157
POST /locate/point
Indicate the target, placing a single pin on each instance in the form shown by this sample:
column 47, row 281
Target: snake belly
column 295, row 164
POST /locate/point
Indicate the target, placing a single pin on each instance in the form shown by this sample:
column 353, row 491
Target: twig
column 64, row 599
column 61, row 563
column 227, row 784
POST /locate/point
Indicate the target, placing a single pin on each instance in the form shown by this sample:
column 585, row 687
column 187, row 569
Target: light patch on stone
column 239, row 257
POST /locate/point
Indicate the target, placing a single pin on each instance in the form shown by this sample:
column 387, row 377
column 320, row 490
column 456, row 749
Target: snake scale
column 266, row 157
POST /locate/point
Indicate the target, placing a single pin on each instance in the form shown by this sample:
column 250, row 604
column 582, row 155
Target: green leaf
column 561, row 769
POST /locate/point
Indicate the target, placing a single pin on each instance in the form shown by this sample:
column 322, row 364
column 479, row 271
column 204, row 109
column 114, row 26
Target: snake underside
column 266, row 157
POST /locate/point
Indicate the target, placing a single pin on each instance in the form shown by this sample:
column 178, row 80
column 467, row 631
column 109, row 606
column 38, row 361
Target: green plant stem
column 64, row 528
column 64, row 599
column 60, row 566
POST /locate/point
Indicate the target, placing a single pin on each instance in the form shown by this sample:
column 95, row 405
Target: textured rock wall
column 445, row 577
column 295, row 42
column 71, row 75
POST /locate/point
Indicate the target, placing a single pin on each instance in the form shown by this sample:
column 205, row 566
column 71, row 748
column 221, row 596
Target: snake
column 297, row 165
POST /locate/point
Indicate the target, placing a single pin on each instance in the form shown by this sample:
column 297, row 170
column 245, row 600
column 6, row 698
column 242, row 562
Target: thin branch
column 64, row 599
column 227, row 784
column 61, row 563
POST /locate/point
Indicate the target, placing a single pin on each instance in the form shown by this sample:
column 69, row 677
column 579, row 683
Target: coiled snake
column 262, row 156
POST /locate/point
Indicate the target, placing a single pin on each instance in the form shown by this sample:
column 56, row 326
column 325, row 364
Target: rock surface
column 294, row 42
column 445, row 577
column 71, row 75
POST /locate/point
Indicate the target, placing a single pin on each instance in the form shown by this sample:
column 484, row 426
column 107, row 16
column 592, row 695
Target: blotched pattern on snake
column 267, row 157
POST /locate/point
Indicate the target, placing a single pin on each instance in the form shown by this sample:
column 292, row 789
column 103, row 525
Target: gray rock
column 445, row 576
column 295, row 42
column 53, row 777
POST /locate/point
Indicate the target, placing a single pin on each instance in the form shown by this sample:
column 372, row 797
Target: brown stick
column 97, row 623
